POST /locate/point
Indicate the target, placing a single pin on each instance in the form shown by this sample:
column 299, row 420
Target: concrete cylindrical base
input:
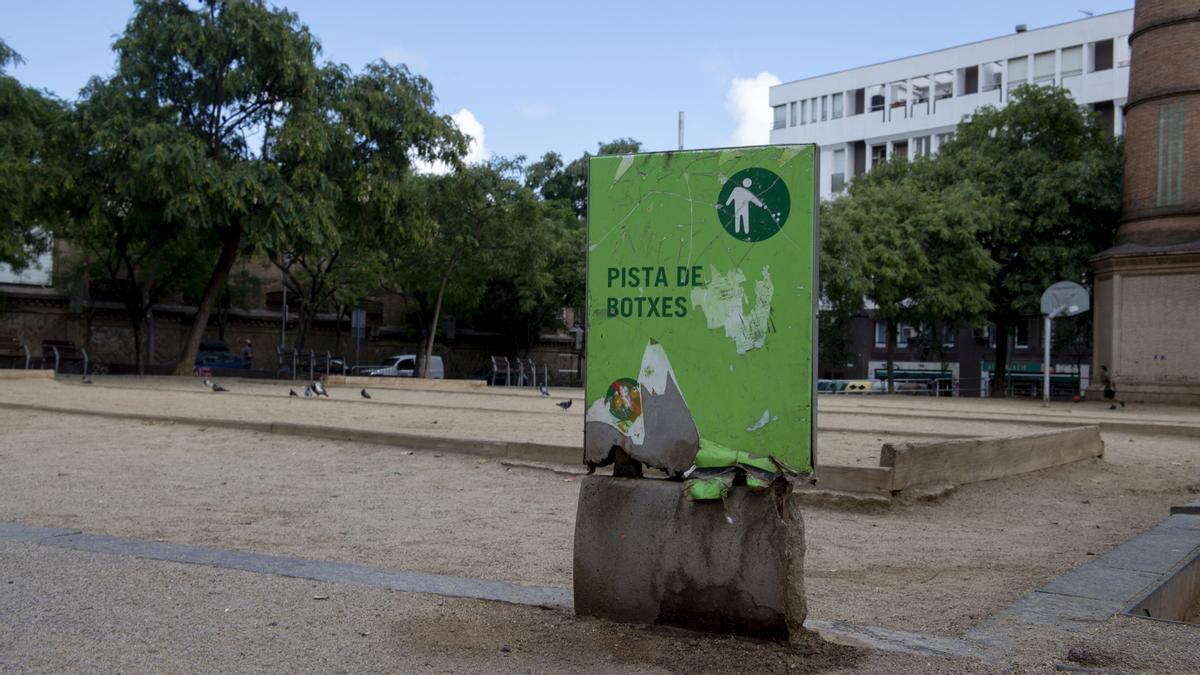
column 646, row 554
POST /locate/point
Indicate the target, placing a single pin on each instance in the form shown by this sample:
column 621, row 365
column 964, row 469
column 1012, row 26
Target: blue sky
column 538, row 76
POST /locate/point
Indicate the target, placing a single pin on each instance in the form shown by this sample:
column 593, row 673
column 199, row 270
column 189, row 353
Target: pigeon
column 292, row 392
column 319, row 389
column 308, row 392
column 86, row 380
column 218, row 388
column 365, row 394
column 564, row 404
column 542, row 388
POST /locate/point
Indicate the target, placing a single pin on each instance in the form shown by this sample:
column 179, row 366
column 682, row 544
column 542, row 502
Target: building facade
column 909, row 107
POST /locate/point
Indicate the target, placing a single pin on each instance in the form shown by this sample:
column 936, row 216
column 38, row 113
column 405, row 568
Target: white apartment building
column 909, row 107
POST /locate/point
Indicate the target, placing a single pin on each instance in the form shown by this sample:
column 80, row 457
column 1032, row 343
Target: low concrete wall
column 646, row 554
column 21, row 374
column 876, row 479
column 406, row 383
column 970, row 460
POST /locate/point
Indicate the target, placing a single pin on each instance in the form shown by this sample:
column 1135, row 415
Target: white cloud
column 397, row 56
column 477, row 151
column 749, row 103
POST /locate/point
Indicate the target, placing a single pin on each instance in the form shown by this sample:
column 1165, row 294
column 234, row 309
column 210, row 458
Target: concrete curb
column 1166, row 428
column 288, row 566
column 561, row 454
column 14, row 374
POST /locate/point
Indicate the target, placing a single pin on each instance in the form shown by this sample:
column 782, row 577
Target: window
column 780, row 116
column 878, row 154
column 922, row 147
column 1102, row 55
column 970, row 80
column 792, row 114
column 904, row 329
column 1170, row 154
column 803, row 112
column 943, row 139
column 824, row 108
column 838, row 180
column 990, row 75
column 812, row 109
column 949, row 336
column 837, row 106
column 1072, row 61
column 860, row 105
column 900, row 150
column 943, row 86
column 1043, row 68
column 877, row 99
column 1021, row 341
column 1018, row 72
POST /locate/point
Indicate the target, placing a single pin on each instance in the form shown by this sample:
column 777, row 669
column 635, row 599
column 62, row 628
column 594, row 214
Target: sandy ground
column 928, row 567
column 71, row 611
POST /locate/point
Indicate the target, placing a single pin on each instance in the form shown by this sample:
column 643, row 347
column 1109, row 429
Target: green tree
column 908, row 246
column 371, row 127
column 31, row 178
column 225, row 72
column 478, row 217
column 555, row 181
column 122, row 241
column 1055, row 173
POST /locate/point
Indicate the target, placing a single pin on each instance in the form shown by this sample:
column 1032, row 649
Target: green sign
column 701, row 298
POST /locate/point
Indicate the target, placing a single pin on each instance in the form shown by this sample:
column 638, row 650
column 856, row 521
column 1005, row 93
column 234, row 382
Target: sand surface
column 937, row 567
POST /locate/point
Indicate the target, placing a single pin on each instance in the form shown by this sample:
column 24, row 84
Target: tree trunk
column 999, row 387
column 229, row 252
column 892, row 329
column 427, row 353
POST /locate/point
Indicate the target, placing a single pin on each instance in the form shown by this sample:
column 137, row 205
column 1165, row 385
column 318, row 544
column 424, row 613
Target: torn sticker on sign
column 724, row 305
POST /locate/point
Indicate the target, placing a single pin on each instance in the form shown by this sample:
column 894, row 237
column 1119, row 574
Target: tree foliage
column 31, row 176
column 368, row 129
column 1055, row 172
column 223, row 73
column 555, row 181
column 906, row 244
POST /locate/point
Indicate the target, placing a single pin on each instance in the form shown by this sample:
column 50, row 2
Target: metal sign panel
column 701, row 302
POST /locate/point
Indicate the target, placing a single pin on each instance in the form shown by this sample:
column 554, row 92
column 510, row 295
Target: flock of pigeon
column 317, row 389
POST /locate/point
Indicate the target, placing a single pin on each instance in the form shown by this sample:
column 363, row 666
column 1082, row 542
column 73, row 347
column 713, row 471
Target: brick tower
column 1147, row 292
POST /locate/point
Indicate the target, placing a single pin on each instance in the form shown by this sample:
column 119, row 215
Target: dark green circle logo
column 753, row 205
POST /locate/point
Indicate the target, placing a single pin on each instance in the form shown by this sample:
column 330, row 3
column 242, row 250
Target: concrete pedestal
column 1146, row 323
column 646, row 554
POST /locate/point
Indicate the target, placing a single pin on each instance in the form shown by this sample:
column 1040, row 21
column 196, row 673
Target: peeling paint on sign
column 723, row 303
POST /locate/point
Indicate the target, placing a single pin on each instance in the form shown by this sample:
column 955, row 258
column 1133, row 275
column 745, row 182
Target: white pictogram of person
column 741, row 197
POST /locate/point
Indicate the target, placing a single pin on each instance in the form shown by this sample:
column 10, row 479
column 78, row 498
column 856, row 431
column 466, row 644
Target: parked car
column 218, row 359
column 405, row 365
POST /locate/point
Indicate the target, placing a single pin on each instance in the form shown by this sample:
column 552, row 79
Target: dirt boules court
column 936, row 568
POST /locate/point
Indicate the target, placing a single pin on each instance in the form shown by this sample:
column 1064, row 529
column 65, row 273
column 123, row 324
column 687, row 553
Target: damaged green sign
column 701, row 299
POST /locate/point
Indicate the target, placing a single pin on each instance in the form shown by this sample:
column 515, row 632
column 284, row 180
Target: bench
column 63, row 352
column 14, row 351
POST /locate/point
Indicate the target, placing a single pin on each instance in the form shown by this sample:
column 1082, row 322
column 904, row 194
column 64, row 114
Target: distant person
column 1110, row 389
column 247, row 353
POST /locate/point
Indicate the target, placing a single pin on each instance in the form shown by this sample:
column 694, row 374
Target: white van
column 405, row 365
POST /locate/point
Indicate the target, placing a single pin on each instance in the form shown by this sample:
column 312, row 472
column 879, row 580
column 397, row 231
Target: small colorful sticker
column 624, row 399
